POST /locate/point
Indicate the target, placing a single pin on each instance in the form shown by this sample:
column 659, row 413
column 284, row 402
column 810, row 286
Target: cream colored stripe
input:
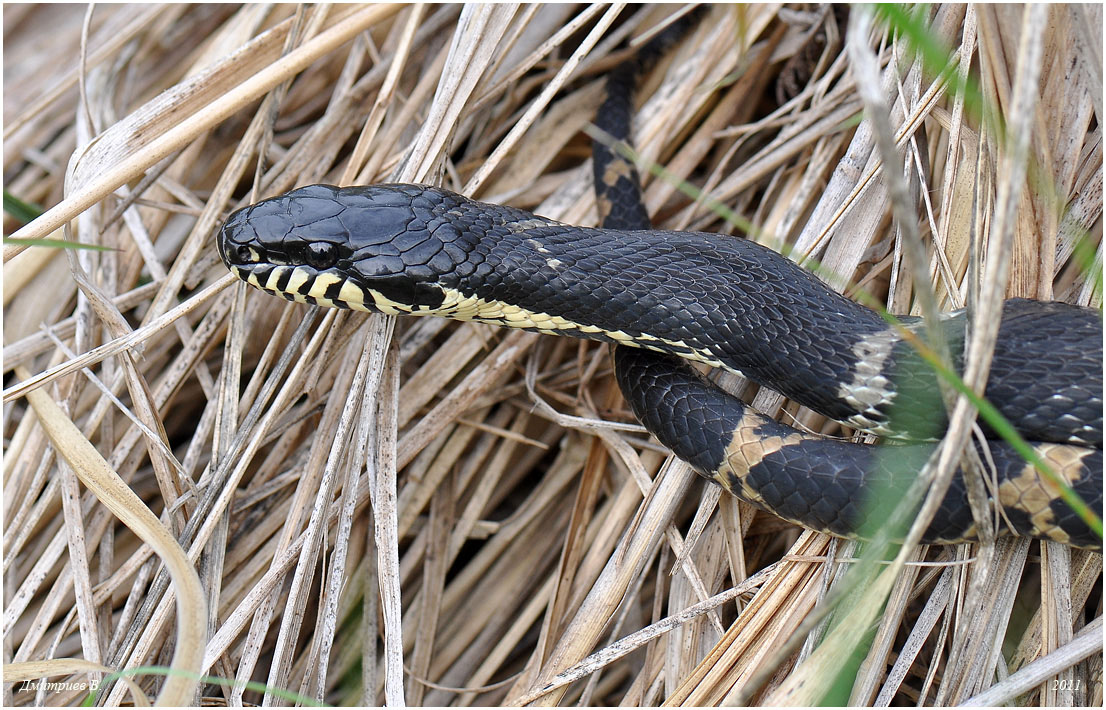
column 300, row 276
column 323, row 282
column 351, row 295
column 274, row 277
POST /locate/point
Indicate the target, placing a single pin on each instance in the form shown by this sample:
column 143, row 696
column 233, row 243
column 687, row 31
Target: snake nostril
column 321, row 255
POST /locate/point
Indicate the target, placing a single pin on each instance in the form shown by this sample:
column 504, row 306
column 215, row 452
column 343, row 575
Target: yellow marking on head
column 274, row 278
column 254, row 256
column 299, row 277
column 387, row 306
column 323, row 281
column 352, row 296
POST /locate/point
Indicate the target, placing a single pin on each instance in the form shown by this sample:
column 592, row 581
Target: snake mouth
column 305, row 284
column 300, row 284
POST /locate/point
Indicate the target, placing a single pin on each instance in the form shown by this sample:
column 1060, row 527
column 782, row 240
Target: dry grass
column 433, row 512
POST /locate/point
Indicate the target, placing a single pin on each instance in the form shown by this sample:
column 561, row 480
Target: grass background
column 477, row 530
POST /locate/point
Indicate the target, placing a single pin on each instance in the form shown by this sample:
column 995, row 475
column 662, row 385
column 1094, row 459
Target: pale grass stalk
column 488, row 505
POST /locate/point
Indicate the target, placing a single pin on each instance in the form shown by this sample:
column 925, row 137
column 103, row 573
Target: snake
column 667, row 299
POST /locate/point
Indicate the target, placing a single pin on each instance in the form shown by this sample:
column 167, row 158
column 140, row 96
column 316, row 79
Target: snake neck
column 719, row 300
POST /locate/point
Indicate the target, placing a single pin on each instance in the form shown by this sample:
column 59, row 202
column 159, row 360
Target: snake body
column 416, row 250
column 726, row 302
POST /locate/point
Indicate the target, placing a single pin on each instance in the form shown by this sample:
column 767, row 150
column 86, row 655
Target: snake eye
column 321, row 255
column 244, row 253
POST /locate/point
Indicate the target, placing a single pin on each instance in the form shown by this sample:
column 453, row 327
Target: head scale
column 376, row 248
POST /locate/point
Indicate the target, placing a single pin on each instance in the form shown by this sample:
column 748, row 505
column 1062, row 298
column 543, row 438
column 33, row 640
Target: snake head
column 382, row 248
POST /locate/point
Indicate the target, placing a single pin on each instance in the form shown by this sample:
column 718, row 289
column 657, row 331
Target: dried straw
column 370, row 511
